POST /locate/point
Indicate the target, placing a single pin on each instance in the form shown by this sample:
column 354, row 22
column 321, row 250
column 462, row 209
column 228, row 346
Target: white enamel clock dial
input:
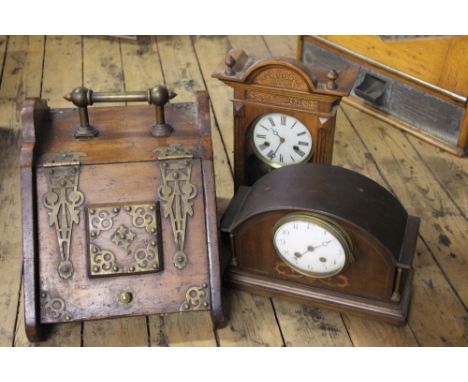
column 280, row 140
column 311, row 246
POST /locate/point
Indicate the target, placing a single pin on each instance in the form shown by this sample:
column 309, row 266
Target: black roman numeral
column 292, row 158
column 271, row 121
column 299, row 151
column 301, row 133
column 294, row 124
column 266, row 128
column 283, row 120
column 262, row 136
column 264, row 145
column 281, row 158
column 302, row 143
column 271, row 154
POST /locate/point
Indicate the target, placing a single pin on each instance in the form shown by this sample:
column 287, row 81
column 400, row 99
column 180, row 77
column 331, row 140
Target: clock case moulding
column 376, row 284
column 282, row 85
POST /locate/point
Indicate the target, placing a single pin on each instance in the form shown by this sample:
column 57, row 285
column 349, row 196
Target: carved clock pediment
column 277, row 103
column 281, row 77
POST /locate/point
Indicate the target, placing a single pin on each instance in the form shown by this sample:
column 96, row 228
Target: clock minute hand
column 281, row 142
column 311, row 248
column 323, row 244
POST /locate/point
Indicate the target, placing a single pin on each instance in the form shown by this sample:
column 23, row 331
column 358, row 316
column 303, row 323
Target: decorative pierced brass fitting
column 54, row 307
column 124, row 239
column 196, row 298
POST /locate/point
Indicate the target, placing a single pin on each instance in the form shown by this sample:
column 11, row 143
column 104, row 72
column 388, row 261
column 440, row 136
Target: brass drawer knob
column 125, row 297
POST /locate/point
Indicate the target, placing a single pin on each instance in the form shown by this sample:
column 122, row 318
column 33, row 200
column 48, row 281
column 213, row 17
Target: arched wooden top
column 281, row 73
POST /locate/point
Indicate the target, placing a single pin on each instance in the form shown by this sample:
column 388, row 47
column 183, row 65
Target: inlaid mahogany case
column 119, row 214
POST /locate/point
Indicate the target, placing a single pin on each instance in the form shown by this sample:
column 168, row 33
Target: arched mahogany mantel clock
column 331, row 238
column 284, row 113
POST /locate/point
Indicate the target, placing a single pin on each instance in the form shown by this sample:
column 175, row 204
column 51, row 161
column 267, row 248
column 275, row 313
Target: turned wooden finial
column 332, row 76
column 230, row 62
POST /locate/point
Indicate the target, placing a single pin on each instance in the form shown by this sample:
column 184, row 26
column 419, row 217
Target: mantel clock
column 284, row 113
column 323, row 235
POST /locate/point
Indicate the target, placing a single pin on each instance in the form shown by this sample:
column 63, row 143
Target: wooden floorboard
column 103, row 71
column 22, row 74
column 428, row 307
column 429, row 182
column 62, row 72
column 443, row 228
column 181, row 74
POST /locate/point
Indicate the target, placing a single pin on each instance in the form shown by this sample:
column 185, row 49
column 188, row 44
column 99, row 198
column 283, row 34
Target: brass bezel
column 326, row 223
column 269, row 162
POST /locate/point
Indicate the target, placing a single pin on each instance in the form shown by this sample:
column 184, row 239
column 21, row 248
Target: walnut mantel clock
column 332, row 238
column 284, row 113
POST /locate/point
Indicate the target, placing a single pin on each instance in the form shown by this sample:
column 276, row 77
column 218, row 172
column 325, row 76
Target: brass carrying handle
column 157, row 96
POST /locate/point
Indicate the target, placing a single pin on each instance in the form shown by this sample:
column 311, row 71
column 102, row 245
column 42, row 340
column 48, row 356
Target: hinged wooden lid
column 125, row 132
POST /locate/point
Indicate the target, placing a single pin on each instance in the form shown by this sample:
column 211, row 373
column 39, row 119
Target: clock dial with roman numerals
column 280, row 140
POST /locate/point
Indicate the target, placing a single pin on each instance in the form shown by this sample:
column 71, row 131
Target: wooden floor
column 430, row 183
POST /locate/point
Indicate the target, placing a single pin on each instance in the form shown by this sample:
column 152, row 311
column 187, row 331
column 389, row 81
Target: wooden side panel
column 453, row 75
column 421, row 58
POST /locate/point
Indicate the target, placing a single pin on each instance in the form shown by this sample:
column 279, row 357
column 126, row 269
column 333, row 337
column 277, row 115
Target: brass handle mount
column 157, row 96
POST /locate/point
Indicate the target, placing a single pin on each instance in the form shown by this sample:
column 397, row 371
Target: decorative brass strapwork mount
column 157, row 96
column 176, row 193
column 62, row 200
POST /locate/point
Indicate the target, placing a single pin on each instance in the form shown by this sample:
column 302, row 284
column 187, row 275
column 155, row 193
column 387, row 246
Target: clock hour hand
column 279, row 136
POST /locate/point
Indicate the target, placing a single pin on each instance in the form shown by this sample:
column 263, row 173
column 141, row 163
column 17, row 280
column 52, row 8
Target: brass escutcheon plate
column 124, row 239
